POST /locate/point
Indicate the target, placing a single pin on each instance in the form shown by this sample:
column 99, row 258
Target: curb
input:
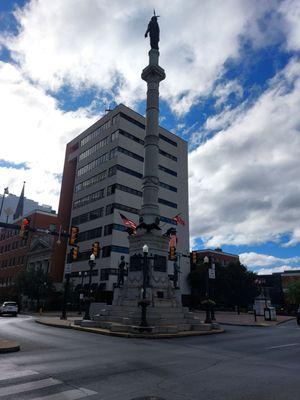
column 106, row 332
column 261, row 325
column 8, row 346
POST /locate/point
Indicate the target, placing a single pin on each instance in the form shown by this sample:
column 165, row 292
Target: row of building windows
column 12, row 261
column 105, row 252
column 95, row 214
column 167, row 203
column 96, row 147
column 95, row 133
column 113, row 153
column 98, row 161
column 112, row 189
column 109, row 123
column 91, row 181
column 97, row 232
column 112, row 171
column 141, row 125
column 90, row 234
column 7, row 233
column 13, row 245
column 6, row 281
column 89, row 199
column 90, row 216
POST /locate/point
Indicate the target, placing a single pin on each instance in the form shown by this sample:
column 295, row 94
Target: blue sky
column 232, row 91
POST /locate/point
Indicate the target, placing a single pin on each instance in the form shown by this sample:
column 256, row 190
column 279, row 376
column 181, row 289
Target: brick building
column 217, row 255
column 15, row 252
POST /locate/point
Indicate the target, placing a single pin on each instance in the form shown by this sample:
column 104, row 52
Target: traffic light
column 172, row 253
column 24, row 230
column 74, row 253
column 194, row 257
column 73, row 236
column 96, row 249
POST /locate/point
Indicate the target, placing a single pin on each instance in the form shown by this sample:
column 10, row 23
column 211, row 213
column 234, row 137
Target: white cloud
column 244, row 182
column 93, row 43
column 252, row 259
column 290, row 10
column 35, row 131
column 269, row 271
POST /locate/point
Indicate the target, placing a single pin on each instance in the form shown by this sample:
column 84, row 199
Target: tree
column 34, row 283
column 293, row 293
column 234, row 285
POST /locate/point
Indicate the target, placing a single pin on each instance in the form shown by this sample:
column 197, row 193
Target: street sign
column 68, row 268
column 211, row 273
column 213, row 266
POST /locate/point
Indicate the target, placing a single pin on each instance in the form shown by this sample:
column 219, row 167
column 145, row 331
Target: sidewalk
column 8, row 346
column 243, row 319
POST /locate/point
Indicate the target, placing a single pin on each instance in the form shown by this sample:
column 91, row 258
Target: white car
column 9, row 307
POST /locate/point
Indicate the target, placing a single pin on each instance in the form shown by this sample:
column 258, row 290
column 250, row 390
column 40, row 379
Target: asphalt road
column 57, row 364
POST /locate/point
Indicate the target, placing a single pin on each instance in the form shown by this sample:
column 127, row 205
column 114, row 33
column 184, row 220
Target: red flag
column 128, row 222
column 179, row 220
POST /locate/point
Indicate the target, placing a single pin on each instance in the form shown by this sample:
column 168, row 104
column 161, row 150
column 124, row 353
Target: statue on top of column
column 153, row 30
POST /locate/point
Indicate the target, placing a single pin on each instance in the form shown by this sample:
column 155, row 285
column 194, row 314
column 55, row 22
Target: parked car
column 9, row 307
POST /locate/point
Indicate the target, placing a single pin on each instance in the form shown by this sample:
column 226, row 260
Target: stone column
column 153, row 74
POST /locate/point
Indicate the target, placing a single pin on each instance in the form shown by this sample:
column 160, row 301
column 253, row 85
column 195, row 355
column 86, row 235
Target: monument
column 148, row 301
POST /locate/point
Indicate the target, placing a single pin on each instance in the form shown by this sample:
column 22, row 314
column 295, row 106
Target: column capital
column 153, row 73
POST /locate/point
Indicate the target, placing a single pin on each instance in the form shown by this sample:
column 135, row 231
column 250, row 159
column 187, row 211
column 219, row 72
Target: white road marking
column 283, row 345
column 25, row 387
column 68, row 395
column 10, row 374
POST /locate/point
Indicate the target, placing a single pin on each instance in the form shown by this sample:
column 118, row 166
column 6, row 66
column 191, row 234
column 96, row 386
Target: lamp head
column 206, row 260
column 145, row 249
column 92, row 257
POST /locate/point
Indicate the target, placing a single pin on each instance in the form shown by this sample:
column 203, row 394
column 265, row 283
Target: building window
column 93, row 149
column 167, row 203
column 106, row 251
column 90, row 234
column 166, row 186
column 168, row 220
column 129, row 171
column 111, row 207
column 108, row 229
column 130, row 154
column 95, row 133
column 167, row 170
column 120, row 249
column 91, row 181
column 111, row 189
column 89, row 199
column 128, row 189
column 114, row 136
column 132, row 120
column 90, row 216
column 166, row 139
column 112, row 171
column 131, row 137
column 168, row 155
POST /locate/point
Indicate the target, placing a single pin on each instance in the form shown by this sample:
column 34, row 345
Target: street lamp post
column 208, row 314
column 144, row 303
column 88, row 299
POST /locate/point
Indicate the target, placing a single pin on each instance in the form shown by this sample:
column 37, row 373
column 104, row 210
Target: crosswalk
column 27, row 384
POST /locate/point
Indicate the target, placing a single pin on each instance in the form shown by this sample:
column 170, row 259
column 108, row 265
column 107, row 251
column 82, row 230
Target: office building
column 103, row 178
